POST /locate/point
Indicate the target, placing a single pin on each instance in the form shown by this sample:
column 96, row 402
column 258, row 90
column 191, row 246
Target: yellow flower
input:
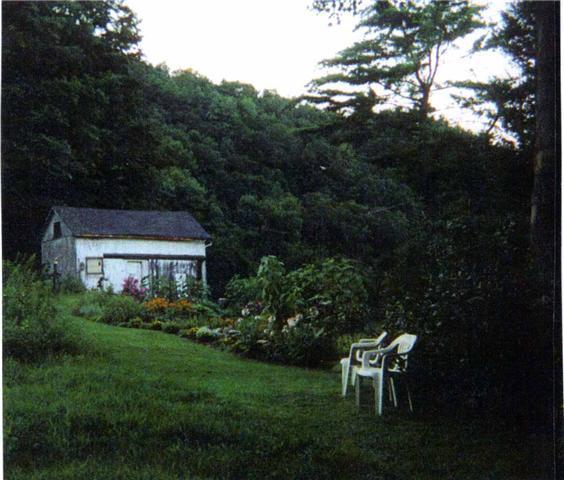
column 156, row 304
column 182, row 305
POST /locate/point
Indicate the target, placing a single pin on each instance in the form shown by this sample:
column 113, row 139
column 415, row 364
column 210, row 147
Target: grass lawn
column 147, row 405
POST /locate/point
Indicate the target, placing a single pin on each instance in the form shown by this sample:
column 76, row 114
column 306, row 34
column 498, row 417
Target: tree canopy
column 401, row 53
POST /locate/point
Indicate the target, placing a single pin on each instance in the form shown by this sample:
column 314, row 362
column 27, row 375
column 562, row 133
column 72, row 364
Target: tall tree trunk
column 424, row 105
column 545, row 329
column 545, row 201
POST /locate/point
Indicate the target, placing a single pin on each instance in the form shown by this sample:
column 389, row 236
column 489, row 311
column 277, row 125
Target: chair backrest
column 404, row 343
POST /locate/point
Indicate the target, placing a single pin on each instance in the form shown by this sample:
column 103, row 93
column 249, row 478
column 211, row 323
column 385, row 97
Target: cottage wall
column 123, row 257
column 59, row 251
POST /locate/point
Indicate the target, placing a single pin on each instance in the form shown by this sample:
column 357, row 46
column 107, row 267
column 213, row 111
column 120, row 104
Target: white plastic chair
column 355, row 356
column 392, row 361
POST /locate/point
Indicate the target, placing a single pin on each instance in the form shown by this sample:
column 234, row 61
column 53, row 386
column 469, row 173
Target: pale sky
column 277, row 44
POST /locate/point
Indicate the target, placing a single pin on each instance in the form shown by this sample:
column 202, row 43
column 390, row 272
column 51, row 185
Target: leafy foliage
column 71, row 284
column 32, row 327
column 119, row 309
column 401, row 52
column 510, row 102
column 331, row 294
column 131, row 287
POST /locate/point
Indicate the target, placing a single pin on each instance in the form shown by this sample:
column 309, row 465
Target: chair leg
column 357, row 393
column 344, row 379
column 393, row 392
column 379, row 393
column 409, row 396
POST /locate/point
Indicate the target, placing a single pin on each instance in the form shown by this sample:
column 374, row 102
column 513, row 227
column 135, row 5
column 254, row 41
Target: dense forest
column 436, row 218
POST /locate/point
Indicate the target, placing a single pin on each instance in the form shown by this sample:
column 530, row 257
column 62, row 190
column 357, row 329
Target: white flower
column 293, row 321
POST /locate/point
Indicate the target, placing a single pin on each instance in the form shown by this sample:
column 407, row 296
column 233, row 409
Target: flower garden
column 304, row 317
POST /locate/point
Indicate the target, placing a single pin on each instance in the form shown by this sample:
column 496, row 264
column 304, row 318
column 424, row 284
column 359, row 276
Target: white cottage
column 107, row 246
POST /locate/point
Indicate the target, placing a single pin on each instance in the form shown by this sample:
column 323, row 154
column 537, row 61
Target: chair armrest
column 365, row 343
column 357, row 349
column 368, row 355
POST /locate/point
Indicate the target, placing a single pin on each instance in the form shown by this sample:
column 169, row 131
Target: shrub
column 206, row 334
column 253, row 338
column 207, row 309
column 118, row 309
column 332, row 295
column 306, row 310
column 171, row 328
column 135, row 322
column 90, row 310
column 275, row 292
column 193, row 290
column 183, row 306
column 32, row 328
column 157, row 304
column 161, row 287
column 156, row 325
column 70, row 284
column 190, row 332
column 91, row 304
column 304, row 345
column 132, row 288
column 456, row 286
column 241, row 291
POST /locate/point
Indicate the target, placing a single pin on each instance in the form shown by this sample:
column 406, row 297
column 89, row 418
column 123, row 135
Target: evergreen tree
column 400, row 55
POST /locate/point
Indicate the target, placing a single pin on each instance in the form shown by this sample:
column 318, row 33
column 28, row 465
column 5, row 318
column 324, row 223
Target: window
column 57, row 230
column 94, row 266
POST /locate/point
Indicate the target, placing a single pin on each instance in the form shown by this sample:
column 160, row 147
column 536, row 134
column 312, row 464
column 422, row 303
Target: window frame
column 101, row 259
column 57, row 231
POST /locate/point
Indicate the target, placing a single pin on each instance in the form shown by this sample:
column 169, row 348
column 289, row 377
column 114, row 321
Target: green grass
column 146, row 405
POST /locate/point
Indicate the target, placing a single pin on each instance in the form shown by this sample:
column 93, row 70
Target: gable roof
column 130, row 223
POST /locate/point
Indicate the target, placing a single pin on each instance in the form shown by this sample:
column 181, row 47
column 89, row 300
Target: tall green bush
column 330, row 294
column 458, row 289
column 119, row 309
column 241, row 291
column 32, row 328
column 303, row 311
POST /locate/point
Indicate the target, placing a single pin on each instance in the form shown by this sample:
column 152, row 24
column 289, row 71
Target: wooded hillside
column 437, row 218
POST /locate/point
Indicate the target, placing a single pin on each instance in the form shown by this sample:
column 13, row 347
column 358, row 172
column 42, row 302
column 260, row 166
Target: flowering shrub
column 182, row 305
column 190, row 332
column 131, row 287
column 227, row 322
column 156, row 304
column 206, row 334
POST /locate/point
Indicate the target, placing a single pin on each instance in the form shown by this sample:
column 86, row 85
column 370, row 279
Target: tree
column 65, row 72
column 401, row 55
column 545, row 196
column 509, row 102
